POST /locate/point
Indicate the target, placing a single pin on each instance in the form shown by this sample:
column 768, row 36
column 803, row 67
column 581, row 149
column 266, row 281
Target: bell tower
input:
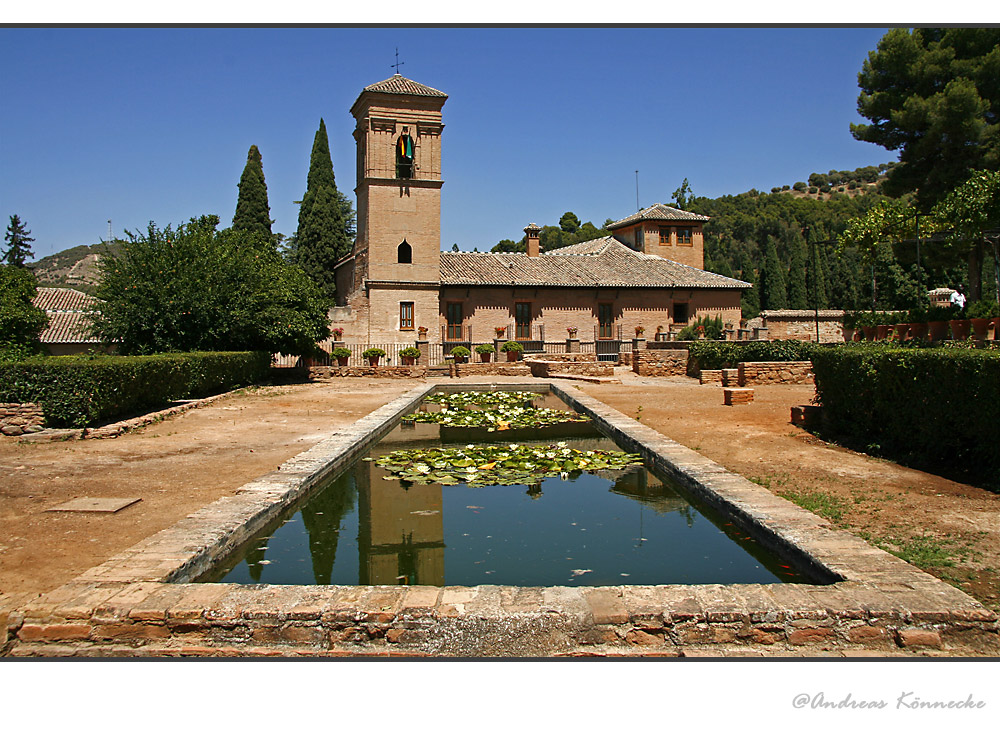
column 398, row 136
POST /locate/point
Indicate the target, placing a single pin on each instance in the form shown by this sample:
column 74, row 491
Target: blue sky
column 154, row 124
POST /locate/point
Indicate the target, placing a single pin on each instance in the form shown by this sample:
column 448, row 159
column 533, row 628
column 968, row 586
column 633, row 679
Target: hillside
column 74, row 268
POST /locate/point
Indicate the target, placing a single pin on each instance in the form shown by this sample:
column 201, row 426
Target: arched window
column 404, row 156
column 404, row 253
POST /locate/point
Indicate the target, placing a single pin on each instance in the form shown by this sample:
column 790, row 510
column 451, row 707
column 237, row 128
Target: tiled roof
column 401, row 85
column 60, row 299
column 657, row 212
column 67, row 319
column 601, row 262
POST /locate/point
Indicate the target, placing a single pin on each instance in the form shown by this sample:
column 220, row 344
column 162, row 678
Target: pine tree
column 17, row 237
column 253, row 214
column 798, row 297
column 323, row 236
column 773, row 294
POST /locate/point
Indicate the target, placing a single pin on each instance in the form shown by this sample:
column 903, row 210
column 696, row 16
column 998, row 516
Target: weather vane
column 398, row 63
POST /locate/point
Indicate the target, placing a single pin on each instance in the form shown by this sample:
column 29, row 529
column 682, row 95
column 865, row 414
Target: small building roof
column 603, row 262
column 398, row 84
column 68, row 321
column 659, row 211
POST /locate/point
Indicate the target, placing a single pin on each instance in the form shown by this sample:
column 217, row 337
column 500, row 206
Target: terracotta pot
column 882, row 331
column 902, row 330
column 979, row 328
column 484, row 356
column 342, row 361
column 996, row 327
column 937, row 330
column 409, row 361
column 459, row 359
column 918, row 330
column 512, row 356
column 373, row 361
column 848, row 334
column 869, row 333
column 960, row 329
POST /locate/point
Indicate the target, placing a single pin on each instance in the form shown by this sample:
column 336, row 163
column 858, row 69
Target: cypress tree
column 323, row 235
column 816, row 278
column 798, row 297
column 750, row 301
column 773, row 294
column 18, row 238
column 253, row 214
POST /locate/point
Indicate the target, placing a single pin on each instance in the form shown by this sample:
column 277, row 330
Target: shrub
column 485, row 349
column 20, row 321
column 409, row 352
column 983, row 309
column 340, row 352
column 709, row 355
column 460, row 351
column 83, row 390
column 373, row 352
column 705, row 328
column 928, row 407
column 511, row 346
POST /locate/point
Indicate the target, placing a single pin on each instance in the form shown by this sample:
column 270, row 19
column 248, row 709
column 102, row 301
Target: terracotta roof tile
column 600, row 262
column 658, row 212
column 401, row 85
column 61, row 299
column 66, row 309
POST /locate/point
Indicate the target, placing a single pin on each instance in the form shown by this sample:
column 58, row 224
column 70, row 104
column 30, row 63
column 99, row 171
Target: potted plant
column 883, row 325
column 373, row 355
column 341, row 354
column 639, row 331
column 960, row 324
column 500, row 332
column 484, row 351
column 917, row 319
column 571, row 331
column 937, row 323
column 461, row 354
column 513, row 350
column 980, row 314
column 867, row 321
column 409, row 355
column 850, row 325
column 422, row 332
column 338, row 333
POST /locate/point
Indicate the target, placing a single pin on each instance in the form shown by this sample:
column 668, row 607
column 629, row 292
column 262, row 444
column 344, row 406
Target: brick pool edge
column 142, row 602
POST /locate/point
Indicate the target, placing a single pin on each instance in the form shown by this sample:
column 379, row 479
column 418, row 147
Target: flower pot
column 996, row 327
column 848, row 334
column 342, row 361
column 484, row 356
column 882, row 331
column 459, row 359
column 979, row 328
column 960, row 329
column 902, row 330
column 869, row 332
column 512, row 356
column 373, row 361
column 918, row 330
column 937, row 330
column 409, row 361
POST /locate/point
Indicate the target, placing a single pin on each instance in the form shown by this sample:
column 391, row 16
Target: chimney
column 531, row 233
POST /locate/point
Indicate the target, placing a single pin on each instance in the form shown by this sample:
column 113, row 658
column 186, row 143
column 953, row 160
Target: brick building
column 649, row 272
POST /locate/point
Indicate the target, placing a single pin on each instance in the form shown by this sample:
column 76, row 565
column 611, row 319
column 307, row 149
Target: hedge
column 83, row 390
column 931, row 408
column 712, row 355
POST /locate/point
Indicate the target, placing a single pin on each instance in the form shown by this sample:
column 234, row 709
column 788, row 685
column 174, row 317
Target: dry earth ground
column 180, row 464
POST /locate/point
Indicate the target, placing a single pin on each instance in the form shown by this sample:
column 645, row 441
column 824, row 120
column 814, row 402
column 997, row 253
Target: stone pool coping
column 142, row 602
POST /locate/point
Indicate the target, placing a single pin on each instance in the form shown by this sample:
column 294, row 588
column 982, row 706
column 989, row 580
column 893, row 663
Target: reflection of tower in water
column 401, row 534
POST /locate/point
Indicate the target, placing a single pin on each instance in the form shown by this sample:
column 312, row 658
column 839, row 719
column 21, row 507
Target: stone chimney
column 531, row 233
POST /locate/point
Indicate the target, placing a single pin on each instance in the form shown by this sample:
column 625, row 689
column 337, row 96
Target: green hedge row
column 933, row 408
column 81, row 391
column 711, row 355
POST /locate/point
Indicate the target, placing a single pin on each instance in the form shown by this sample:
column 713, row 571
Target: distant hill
column 74, row 268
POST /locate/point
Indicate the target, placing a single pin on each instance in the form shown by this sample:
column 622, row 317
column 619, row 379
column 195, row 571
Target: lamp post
column 815, row 280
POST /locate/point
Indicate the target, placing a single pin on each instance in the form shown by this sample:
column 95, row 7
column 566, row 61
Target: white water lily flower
column 561, row 444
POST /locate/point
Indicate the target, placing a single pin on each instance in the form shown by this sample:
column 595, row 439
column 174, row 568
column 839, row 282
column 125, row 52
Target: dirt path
column 181, row 464
column 949, row 529
column 175, row 466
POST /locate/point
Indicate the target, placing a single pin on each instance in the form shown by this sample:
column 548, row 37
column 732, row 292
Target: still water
column 610, row 528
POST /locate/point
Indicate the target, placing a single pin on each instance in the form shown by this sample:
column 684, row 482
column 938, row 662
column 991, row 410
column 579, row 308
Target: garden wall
column 660, row 362
column 545, row 368
column 492, row 369
column 328, row 373
column 21, row 418
column 774, row 373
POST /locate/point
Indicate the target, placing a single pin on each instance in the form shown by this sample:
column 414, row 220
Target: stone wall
column 801, row 324
column 563, row 357
column 660, row 362
column 547, row 368
column 20, row 418
column 775, row 373
column 710, row 377
column 492, row 369
column 326, row 373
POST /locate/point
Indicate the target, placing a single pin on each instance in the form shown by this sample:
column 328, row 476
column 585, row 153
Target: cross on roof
column 398, row 63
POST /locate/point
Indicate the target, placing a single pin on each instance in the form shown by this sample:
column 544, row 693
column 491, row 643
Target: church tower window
column 404, row 155
column 404, row 253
